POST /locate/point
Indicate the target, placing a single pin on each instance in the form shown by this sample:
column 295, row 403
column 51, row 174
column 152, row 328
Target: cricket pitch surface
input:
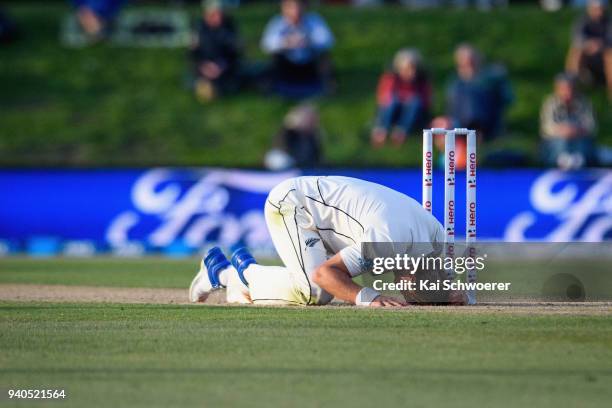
column 96, row 294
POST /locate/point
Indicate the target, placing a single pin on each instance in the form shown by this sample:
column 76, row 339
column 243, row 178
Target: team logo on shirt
column 310, row 242
column 365, row 265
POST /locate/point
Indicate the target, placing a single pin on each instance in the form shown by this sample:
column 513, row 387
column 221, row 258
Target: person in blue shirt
column 299, row 43
column 95, row 16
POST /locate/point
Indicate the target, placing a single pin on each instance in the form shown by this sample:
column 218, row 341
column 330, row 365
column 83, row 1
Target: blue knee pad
column 241, row 259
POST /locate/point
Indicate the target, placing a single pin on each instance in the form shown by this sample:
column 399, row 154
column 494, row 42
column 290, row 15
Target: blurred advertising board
column 164, row 207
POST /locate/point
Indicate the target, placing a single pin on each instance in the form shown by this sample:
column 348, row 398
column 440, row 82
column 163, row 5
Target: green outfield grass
column 129, row 273
column 156, row 355
column 104, row 105
column 150, row 356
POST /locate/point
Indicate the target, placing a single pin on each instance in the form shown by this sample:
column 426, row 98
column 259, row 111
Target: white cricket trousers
column 299, row 246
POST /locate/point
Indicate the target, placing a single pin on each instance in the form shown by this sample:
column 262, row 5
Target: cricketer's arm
column 333, row 277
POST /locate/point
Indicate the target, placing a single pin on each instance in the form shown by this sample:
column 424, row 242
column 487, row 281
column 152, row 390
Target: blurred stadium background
column 106, row 147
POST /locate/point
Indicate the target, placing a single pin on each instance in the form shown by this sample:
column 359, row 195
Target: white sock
column 237, row 291
column 252, row 268
column 224, row 275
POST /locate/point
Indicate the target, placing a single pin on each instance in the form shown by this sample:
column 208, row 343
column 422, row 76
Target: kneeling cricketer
column 318, row 225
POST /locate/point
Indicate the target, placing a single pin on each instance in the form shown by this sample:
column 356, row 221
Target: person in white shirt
column 318, row 225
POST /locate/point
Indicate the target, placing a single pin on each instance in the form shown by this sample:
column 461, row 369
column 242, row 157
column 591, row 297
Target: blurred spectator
column 298, row 143
column 567, row 126
column 299, row 43
column 590, row 55
column 8, row 29
column 216, row 52
column 403, row 98
column 96, row 16
column 483, row 5
column 551, row 5
column 478, row 96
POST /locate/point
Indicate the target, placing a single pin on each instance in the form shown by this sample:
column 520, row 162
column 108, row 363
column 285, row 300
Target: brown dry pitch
column 98, row 294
